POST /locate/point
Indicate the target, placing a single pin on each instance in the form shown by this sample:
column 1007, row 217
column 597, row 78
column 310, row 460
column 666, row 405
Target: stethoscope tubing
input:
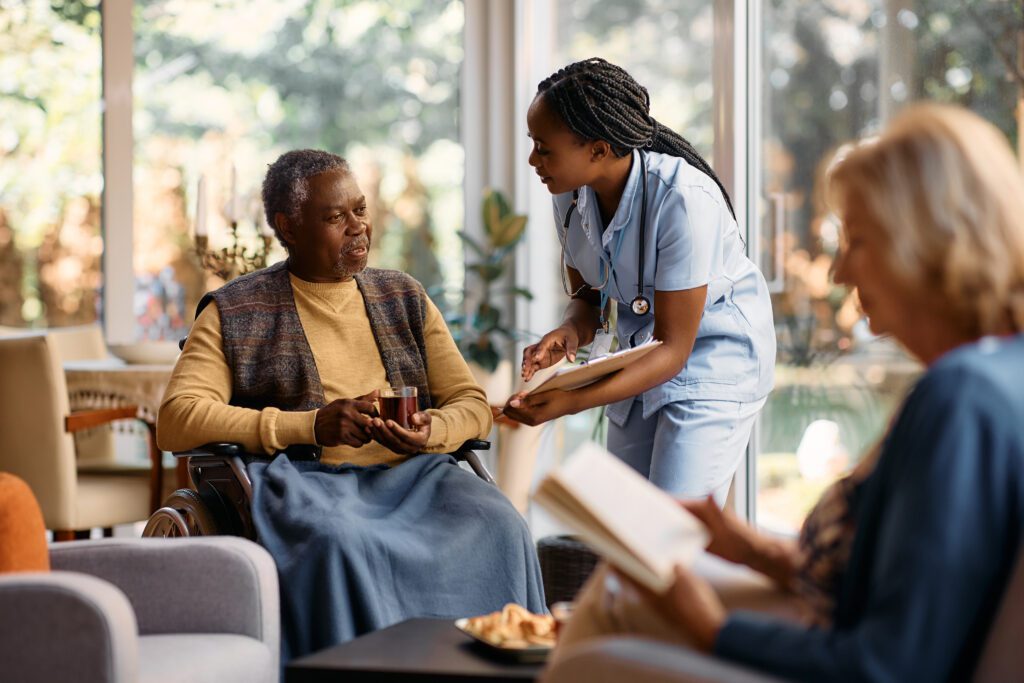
column 640, row 304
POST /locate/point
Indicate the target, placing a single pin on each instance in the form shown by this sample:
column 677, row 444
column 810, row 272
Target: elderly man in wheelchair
column 369, row 520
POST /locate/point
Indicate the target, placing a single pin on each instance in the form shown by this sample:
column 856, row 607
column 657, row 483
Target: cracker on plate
column 514, row 627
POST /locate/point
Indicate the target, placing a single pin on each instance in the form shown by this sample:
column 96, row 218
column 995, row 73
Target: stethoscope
column 640, row 305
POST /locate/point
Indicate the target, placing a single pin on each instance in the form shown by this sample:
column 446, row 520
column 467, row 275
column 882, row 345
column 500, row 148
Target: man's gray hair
column 285, row 186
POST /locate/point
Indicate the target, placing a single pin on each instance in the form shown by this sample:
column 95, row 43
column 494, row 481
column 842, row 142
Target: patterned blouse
column 825, row 542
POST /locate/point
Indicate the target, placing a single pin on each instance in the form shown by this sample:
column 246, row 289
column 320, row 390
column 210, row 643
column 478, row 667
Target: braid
column 600, row 101
column 667, row 141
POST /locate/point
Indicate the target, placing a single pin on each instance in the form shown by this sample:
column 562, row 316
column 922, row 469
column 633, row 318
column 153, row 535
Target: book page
column 625, row 517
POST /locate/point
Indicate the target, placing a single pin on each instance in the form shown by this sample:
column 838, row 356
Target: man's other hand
column 394, row 437
column 346, row 421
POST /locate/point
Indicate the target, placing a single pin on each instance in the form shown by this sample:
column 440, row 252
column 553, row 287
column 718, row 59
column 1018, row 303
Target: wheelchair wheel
column 184, row 514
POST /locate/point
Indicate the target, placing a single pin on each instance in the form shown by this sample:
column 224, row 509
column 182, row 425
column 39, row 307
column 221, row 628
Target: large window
column 666, row 45
column 50, row 162
column 221, row 89
column 231, row 84
column 832, row 72
column 655, row 41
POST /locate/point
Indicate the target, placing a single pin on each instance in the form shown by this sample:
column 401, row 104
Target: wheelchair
column 220, row 500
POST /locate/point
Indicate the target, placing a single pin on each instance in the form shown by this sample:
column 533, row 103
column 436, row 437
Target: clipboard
column 568, row 376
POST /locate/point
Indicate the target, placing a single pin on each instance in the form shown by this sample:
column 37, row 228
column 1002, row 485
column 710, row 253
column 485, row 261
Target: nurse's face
column 562, row 159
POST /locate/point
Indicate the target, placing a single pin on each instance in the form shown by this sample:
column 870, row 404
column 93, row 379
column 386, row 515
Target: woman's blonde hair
column 946, row 190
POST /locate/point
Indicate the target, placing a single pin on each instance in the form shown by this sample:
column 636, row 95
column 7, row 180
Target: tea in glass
column 398, row 404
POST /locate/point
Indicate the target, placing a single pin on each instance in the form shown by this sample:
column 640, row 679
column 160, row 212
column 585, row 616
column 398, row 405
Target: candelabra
column 229, row 262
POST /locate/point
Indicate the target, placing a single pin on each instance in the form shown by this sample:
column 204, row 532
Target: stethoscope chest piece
column 640, row 305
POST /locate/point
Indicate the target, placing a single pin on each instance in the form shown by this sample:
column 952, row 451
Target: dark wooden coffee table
column 415, row 650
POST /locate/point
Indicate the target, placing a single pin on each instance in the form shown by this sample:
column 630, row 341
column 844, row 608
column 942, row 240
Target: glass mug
column 398, row 405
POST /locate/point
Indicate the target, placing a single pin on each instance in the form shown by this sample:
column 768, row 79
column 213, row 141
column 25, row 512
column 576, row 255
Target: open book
column 636, row 526
column 567, row 376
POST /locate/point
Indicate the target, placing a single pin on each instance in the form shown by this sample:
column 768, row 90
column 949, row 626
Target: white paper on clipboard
column 568, row 376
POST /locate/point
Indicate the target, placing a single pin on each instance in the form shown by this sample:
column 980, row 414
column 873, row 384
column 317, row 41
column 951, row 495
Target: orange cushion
column 22, row 531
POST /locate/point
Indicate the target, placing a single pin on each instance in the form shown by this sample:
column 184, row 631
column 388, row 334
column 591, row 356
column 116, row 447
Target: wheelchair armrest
column 295, row 452
column 211, row 449
column 475, row 445
column 466, row 453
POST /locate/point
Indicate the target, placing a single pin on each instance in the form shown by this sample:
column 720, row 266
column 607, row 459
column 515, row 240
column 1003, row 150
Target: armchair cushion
column 62, row 626
column 22, row 532
column 610, row 660
column 127, row 610
column 219, row 584
column 224, row 658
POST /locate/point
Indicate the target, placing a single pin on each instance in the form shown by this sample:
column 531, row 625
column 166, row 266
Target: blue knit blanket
column 361, row 548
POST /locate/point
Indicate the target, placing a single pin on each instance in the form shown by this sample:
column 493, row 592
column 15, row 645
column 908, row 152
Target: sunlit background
column 221, row 88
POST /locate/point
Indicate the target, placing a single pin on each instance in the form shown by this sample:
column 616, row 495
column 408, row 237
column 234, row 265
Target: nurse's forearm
column 585, row 319
column 658, row 367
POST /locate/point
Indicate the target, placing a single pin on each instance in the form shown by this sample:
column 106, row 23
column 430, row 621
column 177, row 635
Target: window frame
column 501, row 69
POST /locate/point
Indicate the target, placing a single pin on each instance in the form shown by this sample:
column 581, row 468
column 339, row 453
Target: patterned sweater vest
column 267, row 351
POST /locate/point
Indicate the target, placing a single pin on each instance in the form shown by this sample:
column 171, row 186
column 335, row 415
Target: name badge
column 602, row 344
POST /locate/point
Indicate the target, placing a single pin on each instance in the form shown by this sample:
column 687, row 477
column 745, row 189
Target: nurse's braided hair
column 600, row 101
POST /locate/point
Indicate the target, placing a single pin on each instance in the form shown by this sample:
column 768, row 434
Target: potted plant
column 480, row 328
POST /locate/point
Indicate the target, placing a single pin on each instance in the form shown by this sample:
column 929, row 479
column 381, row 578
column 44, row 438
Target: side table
column 419, row 650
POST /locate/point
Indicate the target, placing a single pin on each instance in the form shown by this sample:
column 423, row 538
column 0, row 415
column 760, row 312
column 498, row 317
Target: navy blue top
column 938, row 528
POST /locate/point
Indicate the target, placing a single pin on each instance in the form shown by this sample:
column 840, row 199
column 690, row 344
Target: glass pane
column 223, row 88
column 666, row 45
column 655, row 41
column 832, row 72
column 50, row 163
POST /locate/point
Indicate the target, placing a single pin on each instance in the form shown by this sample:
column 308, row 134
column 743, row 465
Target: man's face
column 332, row 241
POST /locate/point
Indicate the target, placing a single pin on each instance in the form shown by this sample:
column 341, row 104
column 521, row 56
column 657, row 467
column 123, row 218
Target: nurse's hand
column 538, row 408
column 557, row 344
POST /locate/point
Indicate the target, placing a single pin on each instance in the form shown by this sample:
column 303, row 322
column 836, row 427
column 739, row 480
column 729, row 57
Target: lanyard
column 640, row 304
column 606, row 276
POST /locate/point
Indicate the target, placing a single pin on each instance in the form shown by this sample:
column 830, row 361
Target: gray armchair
column 126, row 610
column 605, row 660
column 613, row 659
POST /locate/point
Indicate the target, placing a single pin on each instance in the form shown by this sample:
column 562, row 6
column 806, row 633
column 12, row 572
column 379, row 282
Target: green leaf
column 512, row 228
column 472, row 243
column 505, row 332
column 485, row 356
column 519, row 291
column 488, row 272
column 486, row 318
column 492, row 212
column 503, row 206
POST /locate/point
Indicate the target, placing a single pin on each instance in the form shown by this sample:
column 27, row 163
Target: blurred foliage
column 337, row 72
column 666, row 45
column 50, row 162
column 822, row 89
column 216, row 84
column 374, row 82
column 481, row 334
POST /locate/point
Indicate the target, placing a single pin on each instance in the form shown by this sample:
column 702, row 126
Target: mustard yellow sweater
column 195, row 408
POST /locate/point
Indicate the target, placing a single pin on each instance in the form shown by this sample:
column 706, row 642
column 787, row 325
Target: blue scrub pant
column 688, row 448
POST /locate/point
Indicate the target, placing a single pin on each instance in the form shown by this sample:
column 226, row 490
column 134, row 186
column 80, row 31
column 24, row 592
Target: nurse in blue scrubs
column 646, row 225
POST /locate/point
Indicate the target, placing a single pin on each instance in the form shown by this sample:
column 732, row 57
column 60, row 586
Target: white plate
column 147, row 353
column 530, row 654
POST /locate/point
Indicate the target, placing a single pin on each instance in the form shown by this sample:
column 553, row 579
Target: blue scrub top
column 692, row 240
